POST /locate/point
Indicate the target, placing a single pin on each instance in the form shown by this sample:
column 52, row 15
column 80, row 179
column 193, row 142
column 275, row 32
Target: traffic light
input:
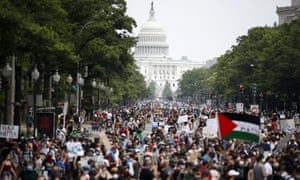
column 241, row 89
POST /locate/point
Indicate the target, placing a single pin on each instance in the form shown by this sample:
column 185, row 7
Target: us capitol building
column 151, row 56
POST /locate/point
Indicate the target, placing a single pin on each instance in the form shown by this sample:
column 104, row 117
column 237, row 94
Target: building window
column 174, row 84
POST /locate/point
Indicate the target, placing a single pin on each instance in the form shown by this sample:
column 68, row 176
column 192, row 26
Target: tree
column 167, row 92
column 194, row 82
column 102, row 35
column 69, row 35
column 267, row 56
column 152, row 90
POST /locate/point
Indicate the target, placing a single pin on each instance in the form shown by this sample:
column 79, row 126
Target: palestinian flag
column 239, row 126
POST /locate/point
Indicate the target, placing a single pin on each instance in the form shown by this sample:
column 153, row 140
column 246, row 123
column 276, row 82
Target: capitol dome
column 152, row 41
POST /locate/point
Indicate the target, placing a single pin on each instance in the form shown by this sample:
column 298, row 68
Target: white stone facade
column 289, row 13
column 151, row 56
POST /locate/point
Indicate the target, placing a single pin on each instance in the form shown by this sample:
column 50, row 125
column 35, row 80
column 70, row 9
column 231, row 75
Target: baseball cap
column 233, row 172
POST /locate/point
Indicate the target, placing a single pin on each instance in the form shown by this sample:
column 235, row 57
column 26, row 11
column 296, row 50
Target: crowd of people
column 118, row 145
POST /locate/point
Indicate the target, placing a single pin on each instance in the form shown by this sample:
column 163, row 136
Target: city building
column 288, row 13
column 151, row 54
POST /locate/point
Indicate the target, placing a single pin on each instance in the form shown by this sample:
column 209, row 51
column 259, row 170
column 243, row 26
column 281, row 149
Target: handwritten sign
column 9, row 131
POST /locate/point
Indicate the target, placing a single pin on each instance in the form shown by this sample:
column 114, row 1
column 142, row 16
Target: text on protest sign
column 9, row 131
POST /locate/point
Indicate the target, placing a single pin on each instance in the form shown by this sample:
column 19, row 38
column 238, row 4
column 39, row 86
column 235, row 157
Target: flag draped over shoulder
column 239, row 126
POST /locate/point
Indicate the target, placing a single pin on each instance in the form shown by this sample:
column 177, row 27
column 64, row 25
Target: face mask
column 115, row 176
column 29, row 167
column 241, row 163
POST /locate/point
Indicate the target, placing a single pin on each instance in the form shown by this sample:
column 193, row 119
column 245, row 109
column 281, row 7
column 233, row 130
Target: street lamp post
column 101, row 87
column 80, row 82
column 254, row 92
column 276, row 103
column 6, row 72
column 111, row 96
column 94, row 85
column 253, row 86
column 56, row 79
column 261, row 99
column 35, row 76
column 69, row 81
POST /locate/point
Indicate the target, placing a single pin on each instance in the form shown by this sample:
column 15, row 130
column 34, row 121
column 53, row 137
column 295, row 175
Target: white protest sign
column 74, row 149
column 211, row 129
column 287, row 125
column 212, row 123
column 182, row 119
column 9, row 131
column 240, row 107
column 209, row 132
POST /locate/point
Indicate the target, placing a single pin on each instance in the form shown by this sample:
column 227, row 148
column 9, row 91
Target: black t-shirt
column 146, row 174
column 55, row 173
column 28, row 175
column 176, row 173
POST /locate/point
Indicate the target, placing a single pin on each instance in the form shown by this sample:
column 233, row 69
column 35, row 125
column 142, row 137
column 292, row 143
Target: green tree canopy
column 266, row 56
column 167, row 92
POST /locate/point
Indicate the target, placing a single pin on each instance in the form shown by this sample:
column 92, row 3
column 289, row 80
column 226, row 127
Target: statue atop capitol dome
column 152, row 40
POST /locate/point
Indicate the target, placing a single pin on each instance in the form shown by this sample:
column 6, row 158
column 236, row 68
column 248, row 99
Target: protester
column 28, row 173
column 153, row 144
column 29, row 122
column 259, row 170
column 7, row 170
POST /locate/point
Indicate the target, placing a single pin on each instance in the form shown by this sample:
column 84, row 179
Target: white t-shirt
column 269, row 169
column 215, row 175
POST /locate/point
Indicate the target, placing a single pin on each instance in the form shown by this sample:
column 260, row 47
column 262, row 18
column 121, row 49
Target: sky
column 205, row 29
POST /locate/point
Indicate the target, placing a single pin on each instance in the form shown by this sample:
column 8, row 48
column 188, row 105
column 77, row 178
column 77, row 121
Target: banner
column 9, row 131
